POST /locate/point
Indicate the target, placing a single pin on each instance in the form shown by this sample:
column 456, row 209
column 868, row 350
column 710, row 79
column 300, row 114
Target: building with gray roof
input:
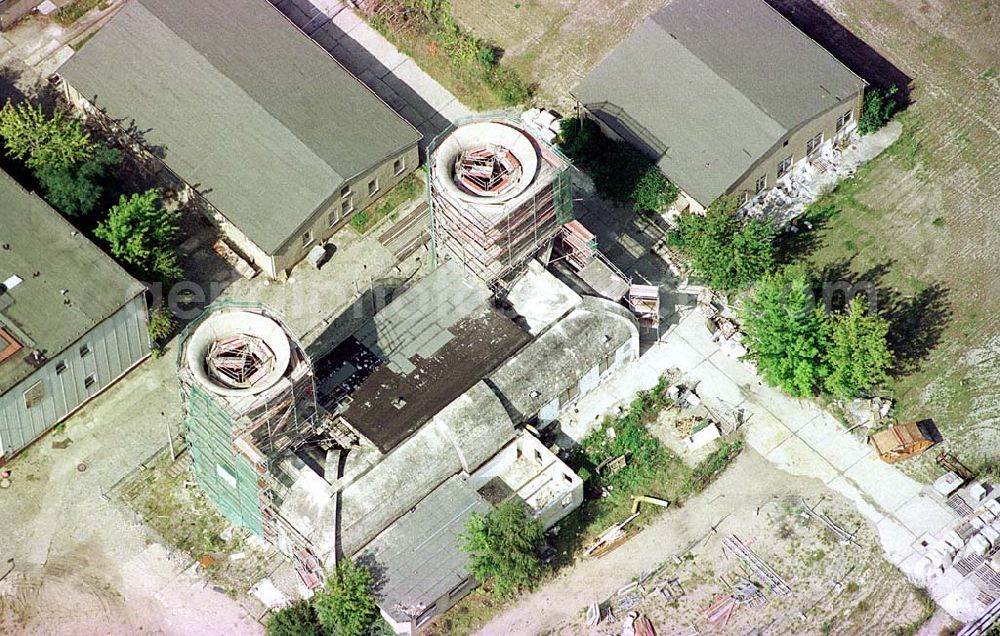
column 725, row 97
column 71, row 320
column 271, row 135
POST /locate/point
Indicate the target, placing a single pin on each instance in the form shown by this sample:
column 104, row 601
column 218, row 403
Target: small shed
column 899, row 442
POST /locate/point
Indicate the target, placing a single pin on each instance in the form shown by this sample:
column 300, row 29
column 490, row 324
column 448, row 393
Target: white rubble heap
column 809, row 179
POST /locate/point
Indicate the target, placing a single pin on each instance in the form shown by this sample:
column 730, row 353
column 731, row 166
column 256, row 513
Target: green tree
column 730, row 253
column 786, row 333
column 77, row 189
column 347, row 607
column 56, row 142
column 297, row 619
column 859, row 356
column 141, row 233
column 879, row 106
column 504, row 546
column 653, row 192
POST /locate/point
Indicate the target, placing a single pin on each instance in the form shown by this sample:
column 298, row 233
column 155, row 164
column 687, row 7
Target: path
column 795, row 435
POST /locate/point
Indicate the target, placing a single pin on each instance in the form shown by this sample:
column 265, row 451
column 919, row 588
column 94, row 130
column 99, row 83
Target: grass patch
column 467, row 66
column 906, row 149
column 938, row 222
column 927, row 609
column 405, row 191
column 73, row 12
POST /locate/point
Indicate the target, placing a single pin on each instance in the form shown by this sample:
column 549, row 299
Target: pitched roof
column 707, row 88
column 243, row 105
column 35, row 312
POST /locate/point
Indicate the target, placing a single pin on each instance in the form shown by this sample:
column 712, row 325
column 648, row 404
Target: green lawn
column 76, row 10
column 407, row 190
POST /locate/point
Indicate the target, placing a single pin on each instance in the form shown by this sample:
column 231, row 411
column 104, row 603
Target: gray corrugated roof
column 559, row 357
column 35, row 312
column 419, row 558
column 709, row 87
column 259, row 118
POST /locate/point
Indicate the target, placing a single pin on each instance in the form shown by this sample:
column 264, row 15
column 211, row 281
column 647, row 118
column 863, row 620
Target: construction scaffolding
column 249, row 396
column 497, row 194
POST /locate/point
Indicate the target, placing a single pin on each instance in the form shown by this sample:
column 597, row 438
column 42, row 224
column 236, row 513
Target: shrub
column 346, row 607
column 161, row 325
column 728, row 252
column 503, row 545
column 787, row 335
column 77, row 190
column 298, row 619
column 879, row 106
column 653, row 192
column 858, row 354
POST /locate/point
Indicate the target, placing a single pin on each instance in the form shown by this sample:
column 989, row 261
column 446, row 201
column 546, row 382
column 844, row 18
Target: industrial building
column 382, row 448
column 726, row 98
column 71, row 320
column 274, row 141
column 498, row 195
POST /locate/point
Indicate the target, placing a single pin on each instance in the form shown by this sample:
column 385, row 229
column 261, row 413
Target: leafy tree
column 503, row 545
column 297, row 619
column 730, row 253
column 56, row 142
column 347, row 607
column 77, row 189
column 786, row 333
column 141, row 233
column 878, row 108
column 653, row 192
column 858, row 356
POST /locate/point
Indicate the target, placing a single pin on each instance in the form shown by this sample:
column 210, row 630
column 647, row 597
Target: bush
column 879, row 106
column 786, row 333
column 77, row 190
column 728, row 252
column 298, row 619
column 347, row 607
column 620, row 172
column 503, row 545
column 161, row 325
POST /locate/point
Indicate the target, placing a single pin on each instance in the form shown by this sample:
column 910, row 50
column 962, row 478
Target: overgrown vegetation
column 72, row 12
column 620, row 172
column 406, row 190
column 802, row 347
column 142, row 233
column 728, row 252
column 162, row 325
column 427, row 31
column 345, row 607
column 503, row 545
column 879, row 106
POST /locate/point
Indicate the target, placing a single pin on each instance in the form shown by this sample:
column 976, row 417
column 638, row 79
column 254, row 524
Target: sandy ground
column 849, row 588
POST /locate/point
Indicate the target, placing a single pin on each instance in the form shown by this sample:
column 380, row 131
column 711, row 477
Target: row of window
column 812, row 145
column 347, row 199
column 36, row 392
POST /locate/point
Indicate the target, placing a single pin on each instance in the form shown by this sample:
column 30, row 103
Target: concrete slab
column 695, row 332
column 455, row 110
column 765, row 432
column 888, row 487
column 348, row 21
column 849, row 489
column 795, row 457
column 836, row 444
column 715, row 384
column 895, row 540
column 378, row 47
column 922, row 514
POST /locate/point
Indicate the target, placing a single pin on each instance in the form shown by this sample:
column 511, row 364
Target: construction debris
column 593, row 614
column 764, row 572
column 842, row 534
column 900, row 442
column 641, row 499
column 610, row 538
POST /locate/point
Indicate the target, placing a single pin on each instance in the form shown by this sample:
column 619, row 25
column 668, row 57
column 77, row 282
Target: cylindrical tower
column 249, row 394
column 498, row 194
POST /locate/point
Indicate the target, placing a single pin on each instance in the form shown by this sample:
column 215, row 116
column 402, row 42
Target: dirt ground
column 836, row 588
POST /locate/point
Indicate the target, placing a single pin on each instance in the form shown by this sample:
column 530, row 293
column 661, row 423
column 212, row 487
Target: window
column 85, row 350
column 569, row 394
column 345, row 192
column 60, row 367
column 348, row 206
column 784, row 166
column 89, row 381
column 398, row 166
column 844, row 119
column 605, row 363
column 761, row 184
column 745, row 197
column 373, row 187
column 307, row 238
column 814, row 143
column 226, row 475
column 34, row 395
column 333, row 217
